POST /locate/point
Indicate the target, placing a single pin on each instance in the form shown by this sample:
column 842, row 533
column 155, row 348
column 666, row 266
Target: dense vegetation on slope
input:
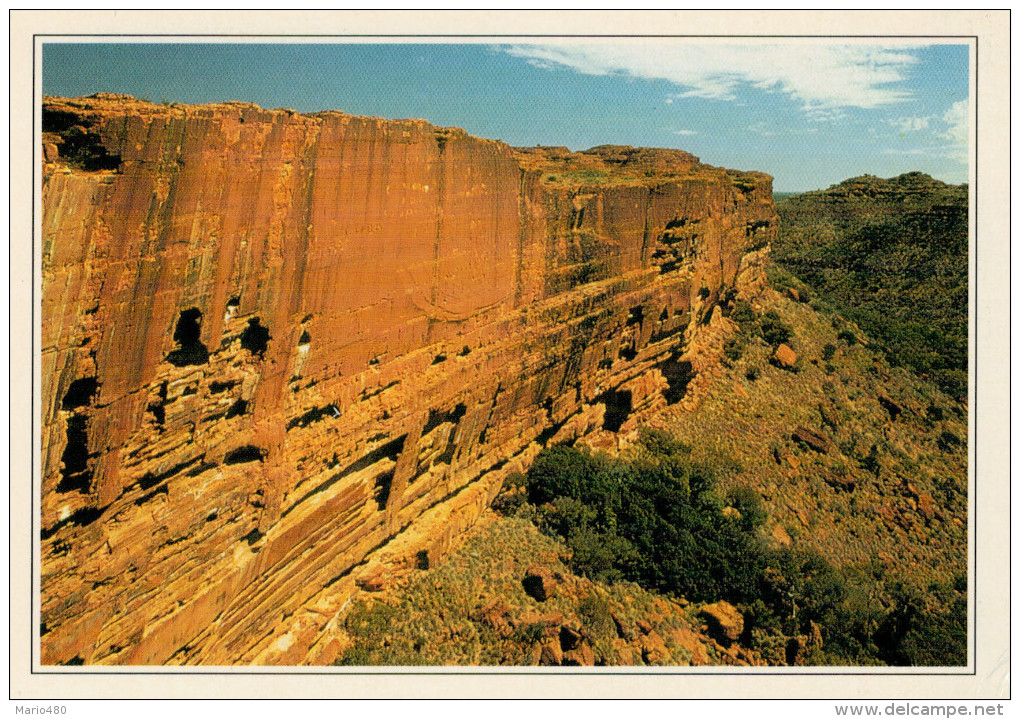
column 654, row 519
column 892, row 256
column 657, row 518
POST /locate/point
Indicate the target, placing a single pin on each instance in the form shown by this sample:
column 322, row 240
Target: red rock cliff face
column 285, row 355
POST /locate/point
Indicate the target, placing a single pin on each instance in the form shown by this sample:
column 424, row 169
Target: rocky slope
column 288, row 356
column 861, row 471
column 507, row 598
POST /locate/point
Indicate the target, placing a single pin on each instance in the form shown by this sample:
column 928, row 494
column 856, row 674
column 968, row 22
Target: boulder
column 372, row 581
column 622, row 630
column 653, row 649
column 725, row 623
column 552, row 653
column 581, row 656
column 690, row 642
column 784, row 357
column 846, row 481
column 539, row 583
column 496, row 614
column 550, row 619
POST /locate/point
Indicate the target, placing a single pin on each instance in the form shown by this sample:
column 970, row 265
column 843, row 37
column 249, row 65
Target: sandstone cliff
column 284, row 355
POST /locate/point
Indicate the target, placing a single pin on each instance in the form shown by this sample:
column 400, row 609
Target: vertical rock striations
column 283, row 355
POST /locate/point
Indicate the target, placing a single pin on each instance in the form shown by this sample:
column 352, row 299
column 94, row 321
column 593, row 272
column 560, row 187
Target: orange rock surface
column 285, row 355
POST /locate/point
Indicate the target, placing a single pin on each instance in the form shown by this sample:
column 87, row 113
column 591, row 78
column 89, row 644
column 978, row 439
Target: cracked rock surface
column 284, row 356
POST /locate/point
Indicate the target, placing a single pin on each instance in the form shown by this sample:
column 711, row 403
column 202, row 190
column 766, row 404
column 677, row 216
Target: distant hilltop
column 907, row 181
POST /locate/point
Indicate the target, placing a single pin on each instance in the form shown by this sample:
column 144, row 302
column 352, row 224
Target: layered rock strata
column 283, row 355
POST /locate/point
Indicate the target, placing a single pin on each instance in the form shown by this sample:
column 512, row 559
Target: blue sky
column 810, row 114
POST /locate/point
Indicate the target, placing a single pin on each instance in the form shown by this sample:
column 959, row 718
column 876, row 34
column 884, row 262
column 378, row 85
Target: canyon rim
column 286, row 355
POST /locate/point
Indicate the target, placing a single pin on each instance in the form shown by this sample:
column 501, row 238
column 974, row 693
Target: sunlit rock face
column 285, row 355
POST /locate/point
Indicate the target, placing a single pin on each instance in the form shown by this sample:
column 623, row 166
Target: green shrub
column 773, row 330
column 743, row 314
column 871, row 463
column 733, row 349
column 949, row 441
column 749, row 503
column 529, row 633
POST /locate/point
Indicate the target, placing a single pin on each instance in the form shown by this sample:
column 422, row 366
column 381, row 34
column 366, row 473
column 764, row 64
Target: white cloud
column 957, row 118
column 957, row 130
column 823, row 78
column 685, row 132
column 941, row 135
column 911, row 124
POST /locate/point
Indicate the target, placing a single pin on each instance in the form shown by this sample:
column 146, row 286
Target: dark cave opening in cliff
column 678, row 374
column 619, row 404
column 253, row 536
column 255, row 337
column 247, row 453
column 187, row 335
column 158, row 414
column 80, row 393
column 216, row 387
column 437, row 417
column 79, row 518
column 75, row 475
column 236, row 409
column 383, row 485
column 76, row 453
